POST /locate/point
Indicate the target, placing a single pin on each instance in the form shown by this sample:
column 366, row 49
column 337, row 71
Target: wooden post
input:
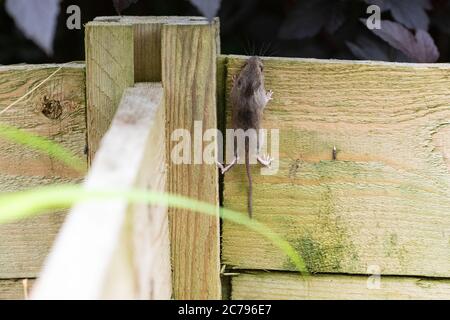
column 189, row 53
column 111, row 249
column 147, row 42
column 109, row 71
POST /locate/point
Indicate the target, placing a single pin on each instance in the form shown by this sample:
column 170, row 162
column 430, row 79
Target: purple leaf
column 419, row 47
column 121, row 5
column 383, row 4
column 310, row 16
column 37, row 19
column 426, row 50
column 368, row 48
column 208, row 8
column 410, row 13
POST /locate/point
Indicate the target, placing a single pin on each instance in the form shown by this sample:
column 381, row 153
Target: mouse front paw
column 269, row 95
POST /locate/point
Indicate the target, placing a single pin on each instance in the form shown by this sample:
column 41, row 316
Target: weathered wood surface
column 289, row 286
column 56, row 109
column 109, row 71
column 385, row 201
column 25, row 245
column 15, row 289
column 189, row 54
column 148, row 67
column 147, row 42
column 147, row 50
column 111, row 249
column 119, row 52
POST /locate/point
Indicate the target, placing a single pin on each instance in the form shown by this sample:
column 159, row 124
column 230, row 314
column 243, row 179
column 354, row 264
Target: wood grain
column 289, row 286
column 55, row 110
column 111, row 249
column 384, row 202
column 109, row 71
column 147, row 42
column 147, row 50
column 14, row 289
column 189, row 80
column 147, row 45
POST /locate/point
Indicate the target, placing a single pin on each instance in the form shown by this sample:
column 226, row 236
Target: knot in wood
column 52, row 109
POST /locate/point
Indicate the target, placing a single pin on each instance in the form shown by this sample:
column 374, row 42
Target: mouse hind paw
column 224, row 169
column 265, row 160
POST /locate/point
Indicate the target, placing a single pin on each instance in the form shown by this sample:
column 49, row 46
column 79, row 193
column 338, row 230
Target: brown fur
column 248, row 100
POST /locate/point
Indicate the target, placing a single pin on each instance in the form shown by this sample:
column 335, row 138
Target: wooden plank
column 14, row 289
column 189, row 80
column 385, row 201
column 290, row 286
column 110, row 249
column 147, row 42
column 109, row 71
column 56, row 109
column 25, row 245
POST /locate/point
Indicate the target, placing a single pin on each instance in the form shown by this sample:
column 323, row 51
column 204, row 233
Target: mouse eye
column 261, row 67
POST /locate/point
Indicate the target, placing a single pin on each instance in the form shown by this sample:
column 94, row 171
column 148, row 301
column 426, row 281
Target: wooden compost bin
column 373, row 223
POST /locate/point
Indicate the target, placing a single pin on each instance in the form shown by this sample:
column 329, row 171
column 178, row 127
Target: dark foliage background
column 292, row 28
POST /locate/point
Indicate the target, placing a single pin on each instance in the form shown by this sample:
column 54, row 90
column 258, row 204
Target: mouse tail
column 249, row 176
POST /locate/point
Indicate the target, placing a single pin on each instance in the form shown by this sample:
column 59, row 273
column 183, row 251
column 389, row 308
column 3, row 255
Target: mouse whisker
column 273, row 51
column 262, row 49
column 268, row 48
column 247, row 46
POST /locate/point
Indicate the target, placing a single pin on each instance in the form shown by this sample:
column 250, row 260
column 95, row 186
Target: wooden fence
column 110, row 250
column 380, row 208
column 55, row 110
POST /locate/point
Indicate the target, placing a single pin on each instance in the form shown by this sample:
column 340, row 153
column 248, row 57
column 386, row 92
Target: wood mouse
column 248, row 100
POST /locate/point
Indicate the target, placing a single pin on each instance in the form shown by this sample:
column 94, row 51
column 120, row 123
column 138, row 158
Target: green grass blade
column 20, row 205
column 43, row 146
